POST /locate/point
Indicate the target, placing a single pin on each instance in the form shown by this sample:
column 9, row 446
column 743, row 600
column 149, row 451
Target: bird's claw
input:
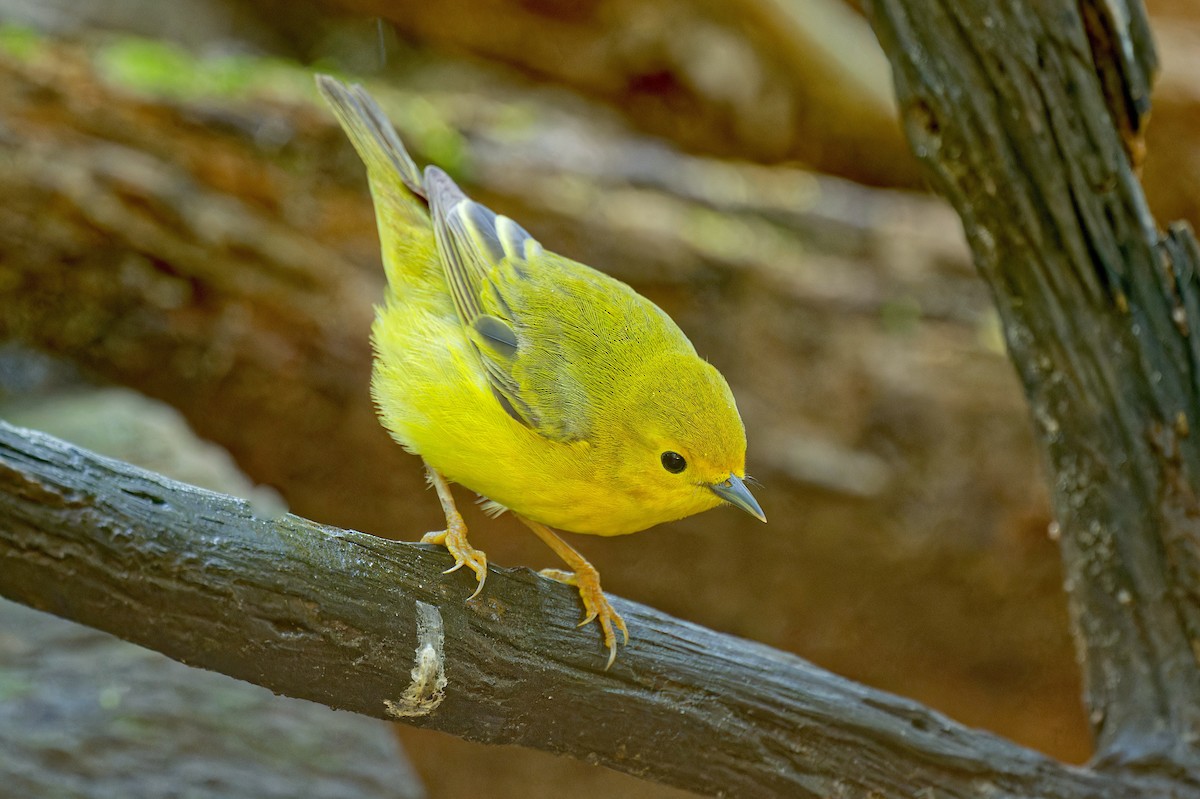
column 454, row 539
column 596, row 606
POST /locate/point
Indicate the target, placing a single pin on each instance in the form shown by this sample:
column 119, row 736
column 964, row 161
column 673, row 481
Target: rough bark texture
column 1011, row 108
column 335, row 616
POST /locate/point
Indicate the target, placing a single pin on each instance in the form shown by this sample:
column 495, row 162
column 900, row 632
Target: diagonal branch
column 335, row 616
column 1011, row 107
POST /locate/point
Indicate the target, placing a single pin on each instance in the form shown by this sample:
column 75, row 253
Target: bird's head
column 684, row 445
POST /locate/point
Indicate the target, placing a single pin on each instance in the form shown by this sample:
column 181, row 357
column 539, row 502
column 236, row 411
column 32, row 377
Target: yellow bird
column 551, row 389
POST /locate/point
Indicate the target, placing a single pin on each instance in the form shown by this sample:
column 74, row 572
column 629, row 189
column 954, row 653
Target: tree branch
column 1003, row 104
column 335, row 616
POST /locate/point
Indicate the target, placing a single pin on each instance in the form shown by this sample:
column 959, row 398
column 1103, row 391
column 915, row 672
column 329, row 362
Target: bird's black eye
column 673, row 462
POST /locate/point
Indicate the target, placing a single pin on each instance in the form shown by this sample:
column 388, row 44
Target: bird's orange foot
column 454, row 538
column 596, row 606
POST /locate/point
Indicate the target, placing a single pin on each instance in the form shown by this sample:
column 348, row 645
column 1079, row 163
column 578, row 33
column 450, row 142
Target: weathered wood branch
column 335, row 616
column 1004, row 106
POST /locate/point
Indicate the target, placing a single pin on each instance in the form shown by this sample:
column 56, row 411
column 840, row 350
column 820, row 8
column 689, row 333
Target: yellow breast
column 434, row 401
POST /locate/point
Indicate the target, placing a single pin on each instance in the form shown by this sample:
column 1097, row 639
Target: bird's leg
column 584, row 577
column 454, row 537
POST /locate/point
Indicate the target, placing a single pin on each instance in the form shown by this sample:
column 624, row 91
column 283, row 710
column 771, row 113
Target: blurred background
column 188, row 262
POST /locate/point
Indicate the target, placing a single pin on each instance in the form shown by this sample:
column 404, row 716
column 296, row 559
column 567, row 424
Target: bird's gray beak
column 734, row 492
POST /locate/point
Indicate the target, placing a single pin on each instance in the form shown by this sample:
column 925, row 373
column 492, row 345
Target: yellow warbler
column 549, row 388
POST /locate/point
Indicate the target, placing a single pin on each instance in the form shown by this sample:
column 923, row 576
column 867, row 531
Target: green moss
column 162, row 68
column 19, row 42
column 156, row 67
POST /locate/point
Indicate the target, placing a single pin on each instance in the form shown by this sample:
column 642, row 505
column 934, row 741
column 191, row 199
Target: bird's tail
column 401, row 208
column 371, row 133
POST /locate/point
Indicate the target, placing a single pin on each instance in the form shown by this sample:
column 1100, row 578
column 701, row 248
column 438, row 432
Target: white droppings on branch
column 428, row 687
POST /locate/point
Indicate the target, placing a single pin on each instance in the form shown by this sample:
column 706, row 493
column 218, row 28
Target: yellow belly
column 434, row 399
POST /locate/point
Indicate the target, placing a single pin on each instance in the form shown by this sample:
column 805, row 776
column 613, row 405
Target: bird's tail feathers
column 401, row 199
column 372, row 135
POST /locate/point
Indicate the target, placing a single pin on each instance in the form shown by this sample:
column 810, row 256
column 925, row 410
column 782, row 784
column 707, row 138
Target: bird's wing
column 505, row 294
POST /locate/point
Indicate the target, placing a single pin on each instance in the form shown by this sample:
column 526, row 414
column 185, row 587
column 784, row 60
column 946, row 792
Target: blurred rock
column 128, row 426
column 86, row 716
